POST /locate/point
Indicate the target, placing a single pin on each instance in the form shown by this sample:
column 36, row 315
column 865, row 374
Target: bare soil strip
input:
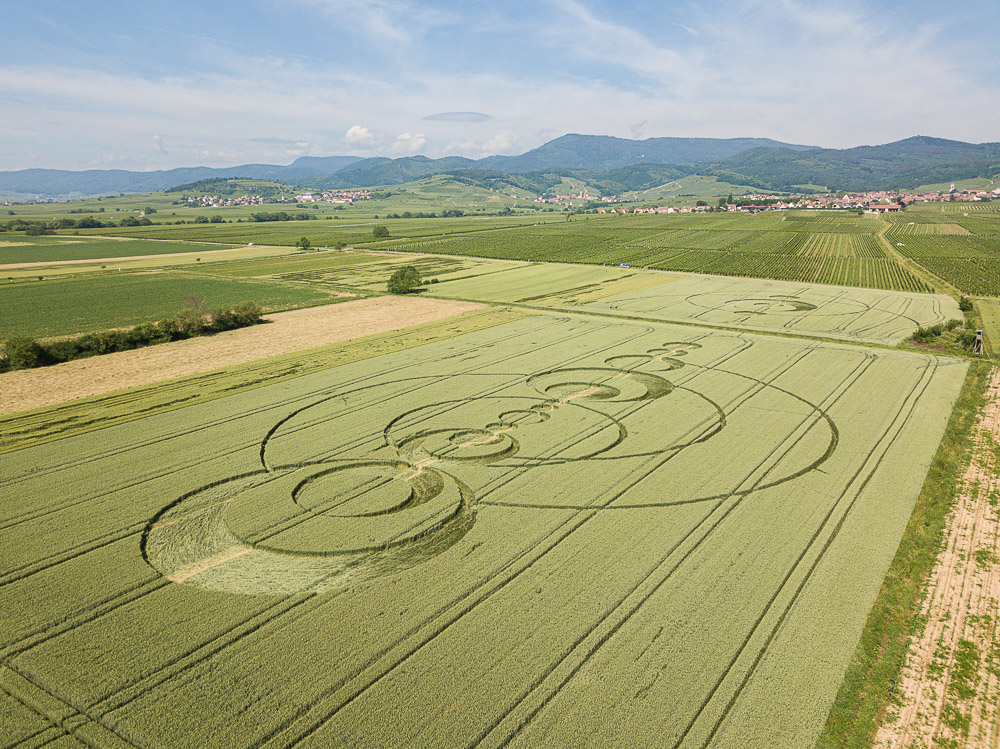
column 209, row 251
column 284, row 333
column 950, row 686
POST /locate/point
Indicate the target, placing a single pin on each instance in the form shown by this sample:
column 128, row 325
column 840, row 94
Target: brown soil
column 961, row 607
column 285, row 332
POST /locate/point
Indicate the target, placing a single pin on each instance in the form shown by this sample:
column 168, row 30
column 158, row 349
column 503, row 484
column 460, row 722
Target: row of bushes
column 928, row 334
column 191, row 321
column 961, row 333
column 447, row 213
column 34, row 228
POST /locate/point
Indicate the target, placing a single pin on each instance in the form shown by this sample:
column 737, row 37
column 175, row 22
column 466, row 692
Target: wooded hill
column 613, row 165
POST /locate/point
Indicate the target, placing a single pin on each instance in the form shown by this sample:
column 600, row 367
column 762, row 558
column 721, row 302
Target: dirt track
column 285, row 332
column 950, row 685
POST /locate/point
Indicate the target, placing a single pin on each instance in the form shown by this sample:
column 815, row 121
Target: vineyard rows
column 973, row 275
column 970, row 263
column 787, row 255
column 915, row 229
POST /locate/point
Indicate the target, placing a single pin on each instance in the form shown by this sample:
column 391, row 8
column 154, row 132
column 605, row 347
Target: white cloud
column 505, row 142
column 362, row 137
column 158, row 145
column 408, row 144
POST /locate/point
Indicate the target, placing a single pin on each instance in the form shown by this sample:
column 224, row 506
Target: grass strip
column 873, row 674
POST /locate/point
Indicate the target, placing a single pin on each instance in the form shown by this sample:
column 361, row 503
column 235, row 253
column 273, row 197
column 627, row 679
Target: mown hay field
column 552, row 529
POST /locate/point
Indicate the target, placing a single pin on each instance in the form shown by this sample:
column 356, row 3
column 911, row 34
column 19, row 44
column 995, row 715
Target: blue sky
column 114, row 84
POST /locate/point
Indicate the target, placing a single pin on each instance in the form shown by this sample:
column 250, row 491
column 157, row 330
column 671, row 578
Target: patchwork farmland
column 545, row 526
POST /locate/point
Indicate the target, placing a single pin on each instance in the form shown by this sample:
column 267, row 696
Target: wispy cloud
column 362, row 77
column 458, row 117
column 400, row 21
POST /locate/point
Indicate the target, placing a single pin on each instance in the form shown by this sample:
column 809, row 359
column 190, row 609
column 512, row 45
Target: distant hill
column 62, row 183
column 382, row 171
column 900, row 165
column 603, row 152
column 615, row 164
column 232, row 187
column 610, row 182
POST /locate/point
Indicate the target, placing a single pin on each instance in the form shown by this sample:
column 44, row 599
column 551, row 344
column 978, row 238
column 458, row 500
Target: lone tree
column 380, row 232
column 404, row 280
column 304, row 243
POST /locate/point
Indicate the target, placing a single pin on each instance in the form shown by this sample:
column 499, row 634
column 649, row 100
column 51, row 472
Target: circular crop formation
column 779, row 304
column 322, row 522
column 770, row 305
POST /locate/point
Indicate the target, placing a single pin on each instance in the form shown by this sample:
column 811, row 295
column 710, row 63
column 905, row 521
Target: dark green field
column 81, row 305
column 45, row 249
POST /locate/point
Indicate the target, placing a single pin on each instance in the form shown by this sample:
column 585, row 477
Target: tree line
column 193, row 319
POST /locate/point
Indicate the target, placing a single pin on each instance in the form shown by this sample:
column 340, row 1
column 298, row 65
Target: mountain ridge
column 762, row 162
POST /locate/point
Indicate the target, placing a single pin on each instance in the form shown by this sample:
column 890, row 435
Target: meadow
column 535, row 527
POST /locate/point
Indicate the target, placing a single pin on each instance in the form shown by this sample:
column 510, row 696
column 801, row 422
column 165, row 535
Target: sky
column 110, row 84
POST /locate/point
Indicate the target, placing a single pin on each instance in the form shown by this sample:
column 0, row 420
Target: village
column 326, row 196
column 874, row 202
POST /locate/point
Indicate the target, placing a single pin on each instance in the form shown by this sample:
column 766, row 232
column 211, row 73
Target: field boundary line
column 940, row 285
column 438, row 329
column 688, row 323
column 869, row 682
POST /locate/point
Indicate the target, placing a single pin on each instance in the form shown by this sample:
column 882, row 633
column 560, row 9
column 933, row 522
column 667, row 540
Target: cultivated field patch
column 60, row 248
column 560, row 530
column 808, row 309
column 282, row 333
column 82, row 305
column 827, row 311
